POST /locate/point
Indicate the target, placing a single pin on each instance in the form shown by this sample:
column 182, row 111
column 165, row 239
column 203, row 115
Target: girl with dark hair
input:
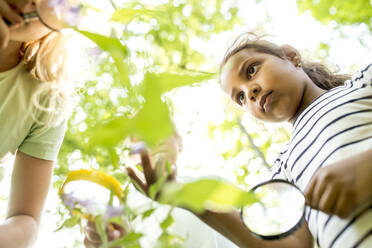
column 330, row 149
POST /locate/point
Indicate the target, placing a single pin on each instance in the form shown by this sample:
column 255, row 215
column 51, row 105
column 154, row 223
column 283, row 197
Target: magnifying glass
column 53, row 14
column 91, row 193
column 279, row 212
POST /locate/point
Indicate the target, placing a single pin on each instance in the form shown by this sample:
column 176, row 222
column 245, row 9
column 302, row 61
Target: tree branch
column 255, row 148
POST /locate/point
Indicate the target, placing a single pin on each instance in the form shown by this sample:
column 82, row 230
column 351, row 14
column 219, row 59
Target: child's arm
column 231, row 226
column 342, row 186
column 228, row 224
column 29, row 188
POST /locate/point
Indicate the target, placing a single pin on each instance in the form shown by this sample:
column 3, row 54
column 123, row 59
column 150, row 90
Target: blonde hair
column 46, row 60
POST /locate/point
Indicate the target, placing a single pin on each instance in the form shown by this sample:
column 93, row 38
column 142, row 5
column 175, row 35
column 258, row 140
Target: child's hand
column 92, row 238
column 8, row 17
column 150, row 173
column 342, row 186
column 154, row 164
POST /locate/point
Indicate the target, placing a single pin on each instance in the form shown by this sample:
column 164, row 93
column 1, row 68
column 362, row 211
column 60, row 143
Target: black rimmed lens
column 279, row 212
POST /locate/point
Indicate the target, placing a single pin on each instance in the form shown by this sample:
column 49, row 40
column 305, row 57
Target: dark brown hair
column 317, row 72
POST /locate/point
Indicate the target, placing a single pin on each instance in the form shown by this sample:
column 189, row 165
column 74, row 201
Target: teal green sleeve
column 44, row 141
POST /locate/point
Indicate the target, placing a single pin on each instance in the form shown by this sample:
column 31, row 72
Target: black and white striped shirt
column 336, row 125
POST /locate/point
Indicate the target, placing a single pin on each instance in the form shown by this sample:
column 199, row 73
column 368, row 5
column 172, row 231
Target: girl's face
column 30, row 31
column 268, row 87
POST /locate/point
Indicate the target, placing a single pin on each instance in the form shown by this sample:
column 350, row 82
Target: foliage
column 129, row 97
column 342, row 12
column 136, row 71
column 125, row 99
column 212, row 194
column 244, row 142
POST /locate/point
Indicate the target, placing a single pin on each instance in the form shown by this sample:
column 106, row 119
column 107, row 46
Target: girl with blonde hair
column 33, row 109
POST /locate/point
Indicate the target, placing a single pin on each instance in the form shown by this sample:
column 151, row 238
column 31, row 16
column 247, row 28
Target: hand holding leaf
column 158, row 167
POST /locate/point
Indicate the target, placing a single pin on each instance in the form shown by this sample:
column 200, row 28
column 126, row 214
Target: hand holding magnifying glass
column 53, row 14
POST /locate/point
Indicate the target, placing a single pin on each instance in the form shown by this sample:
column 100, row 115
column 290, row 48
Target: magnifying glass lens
column 280, row 209
column 51, row 14
column 88, row 197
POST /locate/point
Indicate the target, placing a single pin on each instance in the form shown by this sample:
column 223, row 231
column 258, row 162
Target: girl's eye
column 251, row 70
column 240, row 97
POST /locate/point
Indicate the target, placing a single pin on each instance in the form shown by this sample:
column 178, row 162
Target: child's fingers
column 92, row 238
column 4, row 34
column 310, row 190
column 21, row 4
column 136, row 178
column 148, row 170
column 120, row 228
column 91, row 233
column 7, row 12
column 317, row 194
column 91, row 224
column 160, row 166
column 319, row 188
column 172, row 175
column 12, row 17
column 344, row 204
column 112, row 232
column 90, row 244
column 328, row 199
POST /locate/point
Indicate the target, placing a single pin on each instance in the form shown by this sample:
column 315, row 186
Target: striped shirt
column 334, row 126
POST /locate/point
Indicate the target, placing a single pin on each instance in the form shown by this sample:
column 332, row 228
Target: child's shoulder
column 363, row 76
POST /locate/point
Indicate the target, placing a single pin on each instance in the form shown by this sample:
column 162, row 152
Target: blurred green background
column 154, row 61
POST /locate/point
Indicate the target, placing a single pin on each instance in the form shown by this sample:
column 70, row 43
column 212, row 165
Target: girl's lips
column 265, row 101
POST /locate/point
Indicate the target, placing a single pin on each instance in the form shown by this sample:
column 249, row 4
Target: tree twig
column 255, row 148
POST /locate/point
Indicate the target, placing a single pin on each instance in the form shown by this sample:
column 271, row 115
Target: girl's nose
column 253, row 92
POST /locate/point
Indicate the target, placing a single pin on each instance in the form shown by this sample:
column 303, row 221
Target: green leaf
column 162, row 179
column 113, row 46
column 148, row 213
column 126, row 15
column 201, row 194
column 110, row 133
column 114, row 158
column 167, row 222
column 153, row 122
column 170, row 241
column 131, row 240
column 70, row 222
column 111, row 200
column 101, row 229
column 125, row 192
column 340, row 11
column 168, row 81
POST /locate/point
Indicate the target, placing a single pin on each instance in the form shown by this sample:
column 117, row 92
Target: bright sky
column 206, row 105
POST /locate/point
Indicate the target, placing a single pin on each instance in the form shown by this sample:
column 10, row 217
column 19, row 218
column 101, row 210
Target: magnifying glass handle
column 27, row 17
column 31, row 16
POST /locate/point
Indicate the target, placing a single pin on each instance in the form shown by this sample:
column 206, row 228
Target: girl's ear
column 291, row 54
